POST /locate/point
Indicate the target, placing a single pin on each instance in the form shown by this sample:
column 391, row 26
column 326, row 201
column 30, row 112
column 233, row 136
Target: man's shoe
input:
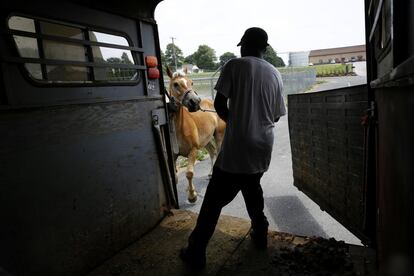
column 195, row 260
column 259, row 239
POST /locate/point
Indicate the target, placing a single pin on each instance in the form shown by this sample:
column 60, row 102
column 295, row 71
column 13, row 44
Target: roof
column 129, row 8
column 336, row 51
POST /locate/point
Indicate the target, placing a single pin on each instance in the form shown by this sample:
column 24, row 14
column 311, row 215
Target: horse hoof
column 193, row 199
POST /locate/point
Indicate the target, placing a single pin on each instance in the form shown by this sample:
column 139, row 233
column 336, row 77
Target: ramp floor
column 231, row 252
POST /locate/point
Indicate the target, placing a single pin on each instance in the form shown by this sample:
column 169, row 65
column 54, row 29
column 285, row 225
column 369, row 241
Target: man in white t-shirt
column 249, row 98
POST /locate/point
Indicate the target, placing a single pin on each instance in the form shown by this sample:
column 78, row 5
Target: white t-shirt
column 254, row 89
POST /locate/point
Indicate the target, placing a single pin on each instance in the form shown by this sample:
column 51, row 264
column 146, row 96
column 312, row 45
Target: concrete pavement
column 287, row 209
column 338, row 82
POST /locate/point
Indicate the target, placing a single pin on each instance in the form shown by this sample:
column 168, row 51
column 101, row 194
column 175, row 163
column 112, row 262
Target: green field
column 328, row 70
column 323, row 70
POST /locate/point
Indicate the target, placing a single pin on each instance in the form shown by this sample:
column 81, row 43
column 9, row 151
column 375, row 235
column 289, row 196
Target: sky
column 292, row 25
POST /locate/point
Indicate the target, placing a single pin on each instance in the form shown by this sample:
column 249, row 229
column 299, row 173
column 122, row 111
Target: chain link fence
column 297, row 80
column 294, row 81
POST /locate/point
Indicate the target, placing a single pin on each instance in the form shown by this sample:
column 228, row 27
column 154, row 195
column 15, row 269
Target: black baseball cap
column 256, row 37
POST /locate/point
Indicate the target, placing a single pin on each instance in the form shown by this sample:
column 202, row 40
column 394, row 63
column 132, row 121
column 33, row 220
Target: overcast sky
column 293, row 25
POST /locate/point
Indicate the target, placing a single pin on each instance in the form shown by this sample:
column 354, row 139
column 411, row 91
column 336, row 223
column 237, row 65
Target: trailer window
column 55, row 52
column 60, row 30
column 21, row 24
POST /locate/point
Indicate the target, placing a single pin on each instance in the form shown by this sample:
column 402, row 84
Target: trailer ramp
column 231, row 252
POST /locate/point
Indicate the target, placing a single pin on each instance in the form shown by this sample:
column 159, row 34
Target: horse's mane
column 178, row 74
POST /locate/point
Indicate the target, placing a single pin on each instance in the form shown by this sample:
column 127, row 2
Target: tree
column 271, row 57
column 163, row 60
column 125, row 59
column 226, row 57
column 189, row 59
column 169, row 56
column 114, row 60
column 205, row 57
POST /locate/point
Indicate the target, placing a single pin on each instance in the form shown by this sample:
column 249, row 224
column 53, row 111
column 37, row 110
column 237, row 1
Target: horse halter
column 175, row 100
column 191, row 104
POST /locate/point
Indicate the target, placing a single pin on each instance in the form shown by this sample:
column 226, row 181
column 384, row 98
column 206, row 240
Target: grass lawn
column 323, row 70
column 326, row 70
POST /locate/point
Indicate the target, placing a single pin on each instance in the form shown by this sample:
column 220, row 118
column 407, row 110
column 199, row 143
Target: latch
column 370, row 114
column 158, row 117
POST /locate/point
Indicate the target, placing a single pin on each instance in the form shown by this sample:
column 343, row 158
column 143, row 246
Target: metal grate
column 327, row 141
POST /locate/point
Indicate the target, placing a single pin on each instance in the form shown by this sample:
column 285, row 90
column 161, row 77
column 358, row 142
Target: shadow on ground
column 291, row 216
column 231, row 252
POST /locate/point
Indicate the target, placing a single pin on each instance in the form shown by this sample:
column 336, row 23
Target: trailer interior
column 87, row 177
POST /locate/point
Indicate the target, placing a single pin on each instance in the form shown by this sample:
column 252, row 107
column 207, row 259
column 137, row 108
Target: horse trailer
column 86, row 155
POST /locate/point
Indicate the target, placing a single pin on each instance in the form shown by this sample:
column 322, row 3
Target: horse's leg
column 212, row 152
column 192, row 194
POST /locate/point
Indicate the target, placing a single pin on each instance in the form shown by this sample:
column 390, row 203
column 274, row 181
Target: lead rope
column 171, row 98
column 207, row 110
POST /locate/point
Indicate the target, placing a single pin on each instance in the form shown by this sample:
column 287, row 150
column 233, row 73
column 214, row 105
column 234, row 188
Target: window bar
column 139, row 25
column 72, row 40
column 72, row 63
column 377, row 15
column 41, row 50
column 89, row 55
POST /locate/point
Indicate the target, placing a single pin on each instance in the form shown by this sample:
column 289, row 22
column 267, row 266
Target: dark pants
column 221, row 190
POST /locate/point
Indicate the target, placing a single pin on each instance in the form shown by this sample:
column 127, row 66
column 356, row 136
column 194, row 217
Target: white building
column 297, row 59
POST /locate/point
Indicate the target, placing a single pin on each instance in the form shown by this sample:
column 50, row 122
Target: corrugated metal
column 327, row 141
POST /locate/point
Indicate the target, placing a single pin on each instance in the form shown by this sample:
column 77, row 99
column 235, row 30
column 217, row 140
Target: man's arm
column 220, row 104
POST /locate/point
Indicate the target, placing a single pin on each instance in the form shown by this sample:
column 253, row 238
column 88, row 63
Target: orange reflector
column 153, row 73
column 151, row 61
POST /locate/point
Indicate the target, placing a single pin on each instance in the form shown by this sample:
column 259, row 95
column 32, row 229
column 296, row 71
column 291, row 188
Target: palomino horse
column 194, row 128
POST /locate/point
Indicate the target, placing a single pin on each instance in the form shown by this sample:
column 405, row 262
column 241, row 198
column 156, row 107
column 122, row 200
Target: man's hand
column 220, row 104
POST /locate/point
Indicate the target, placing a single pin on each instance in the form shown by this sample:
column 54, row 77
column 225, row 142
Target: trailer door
column 327, row 139
column 334, row 134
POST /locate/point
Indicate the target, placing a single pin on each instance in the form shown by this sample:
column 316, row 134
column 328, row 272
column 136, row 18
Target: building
column 191, row 68
column 297, row 59
column 338, row 55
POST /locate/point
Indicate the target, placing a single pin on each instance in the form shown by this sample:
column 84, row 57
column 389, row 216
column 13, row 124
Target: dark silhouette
column 249, row 99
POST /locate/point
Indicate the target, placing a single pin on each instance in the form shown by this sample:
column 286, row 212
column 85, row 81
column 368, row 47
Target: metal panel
column 327, row 141
column 394, row 97
column 77, row 185
column 80, row 174
column 395, row 177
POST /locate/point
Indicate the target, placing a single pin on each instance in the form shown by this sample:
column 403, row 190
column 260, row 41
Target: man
column 249, row 98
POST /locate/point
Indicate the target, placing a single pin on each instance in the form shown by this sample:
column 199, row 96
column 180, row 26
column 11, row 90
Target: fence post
column 212, row 83
column 212, row 88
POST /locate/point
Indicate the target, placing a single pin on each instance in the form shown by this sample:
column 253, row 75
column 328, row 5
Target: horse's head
column 181, row 89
